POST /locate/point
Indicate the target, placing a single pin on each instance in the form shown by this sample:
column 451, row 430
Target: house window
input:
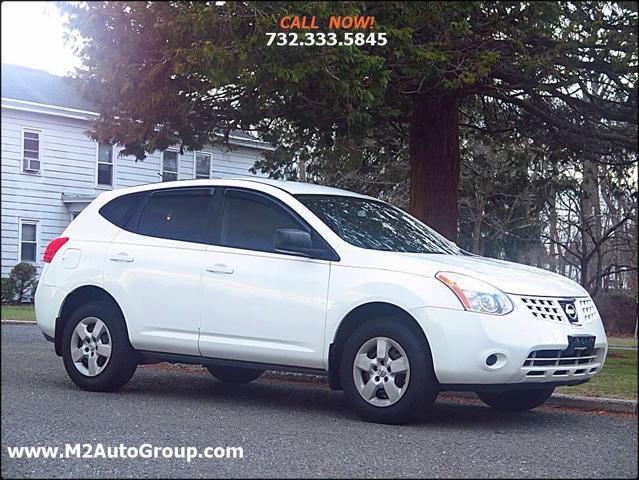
column 28, row 240
column 31, row 148
column 202, row 165
column 169, row 165
column 105, row 165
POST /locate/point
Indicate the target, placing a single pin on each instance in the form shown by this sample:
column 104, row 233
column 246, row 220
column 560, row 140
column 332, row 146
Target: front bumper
column 527, row 350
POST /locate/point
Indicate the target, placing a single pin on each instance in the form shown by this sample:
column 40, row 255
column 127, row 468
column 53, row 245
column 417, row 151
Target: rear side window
column 118, row 210
column 177, row 215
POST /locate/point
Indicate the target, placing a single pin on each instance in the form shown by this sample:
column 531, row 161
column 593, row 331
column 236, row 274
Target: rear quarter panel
column 79, row 262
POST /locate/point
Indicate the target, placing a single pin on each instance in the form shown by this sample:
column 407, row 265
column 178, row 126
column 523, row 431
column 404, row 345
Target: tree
column 503, row 190
column 24, row 278
column 180, row 72
column 597, row 238
column 378, row 167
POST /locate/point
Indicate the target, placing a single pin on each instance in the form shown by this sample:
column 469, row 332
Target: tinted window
column 250, row 221
column 117, row 211
column 176, row 215
column 376, row 225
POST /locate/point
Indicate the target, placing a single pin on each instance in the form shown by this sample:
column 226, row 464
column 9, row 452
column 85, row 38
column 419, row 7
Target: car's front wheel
column 386, row 372
column 516, row 400
column 96, row 351
column 234, row 374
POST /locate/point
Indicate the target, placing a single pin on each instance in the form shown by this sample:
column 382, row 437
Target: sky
column 32, row 36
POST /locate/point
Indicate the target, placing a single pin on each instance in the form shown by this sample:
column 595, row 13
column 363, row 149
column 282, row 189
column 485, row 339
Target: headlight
column 476, row 295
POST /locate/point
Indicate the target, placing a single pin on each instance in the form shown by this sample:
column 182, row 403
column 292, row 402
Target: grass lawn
column 618, row 379
column 18, row 312
column 622, row 341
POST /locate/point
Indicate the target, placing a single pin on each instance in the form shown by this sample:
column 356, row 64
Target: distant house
column 51, row 169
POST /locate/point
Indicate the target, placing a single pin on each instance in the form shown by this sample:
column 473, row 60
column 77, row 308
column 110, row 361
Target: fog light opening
column 495, row 360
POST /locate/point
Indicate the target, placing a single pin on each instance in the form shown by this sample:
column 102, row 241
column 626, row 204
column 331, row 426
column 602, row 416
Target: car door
column 153, row 268
column 258, row 304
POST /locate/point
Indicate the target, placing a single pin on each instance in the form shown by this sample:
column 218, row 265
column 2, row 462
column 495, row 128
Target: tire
column 516, row 400
column 92, row 368
column 410, row 392
column 234, row 374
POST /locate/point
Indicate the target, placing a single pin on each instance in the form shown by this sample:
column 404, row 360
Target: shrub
column 618, row 311
column 8, row 290
column 23, row 276
column 33, row 289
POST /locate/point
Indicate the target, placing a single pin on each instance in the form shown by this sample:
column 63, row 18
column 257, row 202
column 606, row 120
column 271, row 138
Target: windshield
column 376, row 225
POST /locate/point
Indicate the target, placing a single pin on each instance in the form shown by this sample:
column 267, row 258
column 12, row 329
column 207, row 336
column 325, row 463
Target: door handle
column 220, row 268
column 121, row 257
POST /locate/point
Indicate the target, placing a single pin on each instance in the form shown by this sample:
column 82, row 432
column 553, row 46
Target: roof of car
column 301, row 188
column 294, row 188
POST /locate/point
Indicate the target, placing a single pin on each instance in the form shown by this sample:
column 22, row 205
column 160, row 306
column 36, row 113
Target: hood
column 509, row 277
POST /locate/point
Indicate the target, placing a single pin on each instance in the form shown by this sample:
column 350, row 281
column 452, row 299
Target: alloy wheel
column 381, row 371
column 91, row 346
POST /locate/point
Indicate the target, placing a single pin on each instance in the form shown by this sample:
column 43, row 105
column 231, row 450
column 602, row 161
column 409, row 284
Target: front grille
column 587, row 310
column 545, row 308
column 550, row 308
column 562, row 363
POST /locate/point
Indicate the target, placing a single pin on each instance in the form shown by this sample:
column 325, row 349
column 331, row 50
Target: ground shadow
column 192, row 387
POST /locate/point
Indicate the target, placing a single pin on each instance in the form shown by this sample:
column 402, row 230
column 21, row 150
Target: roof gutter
column 43, row 108
column 76, row 114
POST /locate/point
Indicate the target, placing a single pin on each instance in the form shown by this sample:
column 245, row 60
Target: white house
column 51, row 169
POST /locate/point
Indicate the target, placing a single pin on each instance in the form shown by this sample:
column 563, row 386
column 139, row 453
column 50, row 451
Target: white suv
column 247, row 275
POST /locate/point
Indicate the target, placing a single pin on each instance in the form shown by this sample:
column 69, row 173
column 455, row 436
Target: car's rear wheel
column 96, row 351
column 516, row 400
column 386, row 372
column 234, row 374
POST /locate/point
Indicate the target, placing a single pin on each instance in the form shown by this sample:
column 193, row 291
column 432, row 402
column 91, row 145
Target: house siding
column 68, row 165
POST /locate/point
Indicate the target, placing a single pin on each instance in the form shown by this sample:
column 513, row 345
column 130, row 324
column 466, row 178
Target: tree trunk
column 554, row 249
column 301, row 169
column 434, row 159
column 583, row 263
column 591, row 223
column 477, row 221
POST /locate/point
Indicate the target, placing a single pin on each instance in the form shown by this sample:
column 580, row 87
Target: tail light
column 53, row 247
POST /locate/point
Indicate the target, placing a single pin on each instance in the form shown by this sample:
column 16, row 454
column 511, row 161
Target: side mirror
column 289, row 240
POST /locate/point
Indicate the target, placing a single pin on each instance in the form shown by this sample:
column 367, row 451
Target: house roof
column 38, row 86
